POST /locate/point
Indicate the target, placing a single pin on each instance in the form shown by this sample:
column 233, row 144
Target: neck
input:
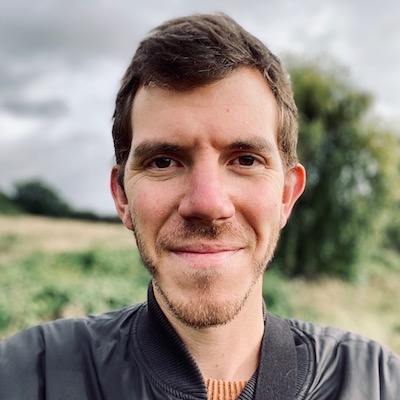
column 227, row 352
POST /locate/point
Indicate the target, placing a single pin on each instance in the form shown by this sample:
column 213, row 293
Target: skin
column 206, row 194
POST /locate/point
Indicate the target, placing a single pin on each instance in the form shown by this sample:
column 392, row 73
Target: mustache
column 194, row 230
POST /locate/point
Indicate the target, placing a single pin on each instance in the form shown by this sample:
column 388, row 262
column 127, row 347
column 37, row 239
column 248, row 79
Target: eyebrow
column 254, row 144
column 149, row 149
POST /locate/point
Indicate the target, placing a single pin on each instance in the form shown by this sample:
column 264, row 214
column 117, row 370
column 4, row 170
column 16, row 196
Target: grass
column 368, row 306
column 43, row 286
column 58, row 268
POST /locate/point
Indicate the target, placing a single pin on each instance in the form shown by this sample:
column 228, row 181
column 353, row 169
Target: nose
column 205, row 197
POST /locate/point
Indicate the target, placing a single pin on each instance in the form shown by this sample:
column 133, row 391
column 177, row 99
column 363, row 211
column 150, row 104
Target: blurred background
column 62, row 252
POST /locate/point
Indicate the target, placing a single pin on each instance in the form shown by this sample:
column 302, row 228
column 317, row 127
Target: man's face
column 206, row 193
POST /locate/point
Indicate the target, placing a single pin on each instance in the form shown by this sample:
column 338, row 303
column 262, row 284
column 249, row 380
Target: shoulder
column 327, row 339
column 348, row 362
column 62, row 331
column 39, row 352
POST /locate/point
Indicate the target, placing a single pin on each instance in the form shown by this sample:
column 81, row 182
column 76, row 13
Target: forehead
column 234, row 108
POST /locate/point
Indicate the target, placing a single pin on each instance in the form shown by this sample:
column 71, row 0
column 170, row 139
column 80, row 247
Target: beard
column 202, row 311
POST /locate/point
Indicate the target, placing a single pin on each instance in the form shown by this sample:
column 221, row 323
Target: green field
column 53, row 268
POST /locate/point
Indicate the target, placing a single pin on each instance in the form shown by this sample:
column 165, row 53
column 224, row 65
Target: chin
column 205, row 308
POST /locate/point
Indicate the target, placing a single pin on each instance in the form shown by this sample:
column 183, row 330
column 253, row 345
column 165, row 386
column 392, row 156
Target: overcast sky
column 61, row 62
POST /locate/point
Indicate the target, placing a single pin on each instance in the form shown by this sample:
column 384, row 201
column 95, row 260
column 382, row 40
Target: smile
column 201, row 255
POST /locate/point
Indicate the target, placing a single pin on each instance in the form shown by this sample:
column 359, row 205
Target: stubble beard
column 202, row 311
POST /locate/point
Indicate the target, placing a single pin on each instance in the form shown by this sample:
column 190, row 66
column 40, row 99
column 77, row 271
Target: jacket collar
column 170, row 366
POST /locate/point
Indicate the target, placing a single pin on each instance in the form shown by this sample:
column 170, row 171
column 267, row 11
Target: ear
column 120, row 199
column 295, row 182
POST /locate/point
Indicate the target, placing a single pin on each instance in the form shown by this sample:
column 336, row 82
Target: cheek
column 262, row 209
column 150, row 207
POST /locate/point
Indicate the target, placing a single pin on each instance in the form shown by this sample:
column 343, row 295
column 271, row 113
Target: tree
column 7, row 205
column 36, row 197
column 350, row 166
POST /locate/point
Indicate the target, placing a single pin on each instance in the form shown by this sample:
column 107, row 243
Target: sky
column 61, row 63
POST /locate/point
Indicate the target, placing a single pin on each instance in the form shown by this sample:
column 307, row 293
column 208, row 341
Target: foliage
column 36, row 197
column 92, row 216
column 350, row 168
column 39, row 198
column 392, row 237
column 48, row 286
column 391, row 240
column 8, row 206
column 276, row 294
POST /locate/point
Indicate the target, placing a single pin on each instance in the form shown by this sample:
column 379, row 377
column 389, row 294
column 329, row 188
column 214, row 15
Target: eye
column 246, row 160
column 162, row 163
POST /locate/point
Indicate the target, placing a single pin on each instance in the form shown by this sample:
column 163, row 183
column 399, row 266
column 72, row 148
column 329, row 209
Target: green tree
column 36, row 197
column 350, row 167
column 7, row 205
column 392, row 231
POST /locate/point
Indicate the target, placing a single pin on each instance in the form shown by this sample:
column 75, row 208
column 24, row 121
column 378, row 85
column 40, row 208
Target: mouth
column 206, row 255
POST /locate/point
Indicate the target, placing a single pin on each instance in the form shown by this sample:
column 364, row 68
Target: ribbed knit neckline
column 224, row 390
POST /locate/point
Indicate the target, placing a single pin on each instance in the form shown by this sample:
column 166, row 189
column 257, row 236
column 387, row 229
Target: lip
column 205, row 248
column 205, row 255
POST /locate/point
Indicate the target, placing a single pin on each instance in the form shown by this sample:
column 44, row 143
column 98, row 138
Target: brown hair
column 193, row 51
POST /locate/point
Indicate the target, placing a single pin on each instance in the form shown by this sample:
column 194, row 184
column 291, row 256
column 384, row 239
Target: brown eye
column 246, row 160
column 162, row 162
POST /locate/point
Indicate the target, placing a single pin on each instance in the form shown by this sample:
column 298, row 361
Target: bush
column 8, row 206
column 36, row 197
column 392, row 239
column 46, row 286
column 276, row 294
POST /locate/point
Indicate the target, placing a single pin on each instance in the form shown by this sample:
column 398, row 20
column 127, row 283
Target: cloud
column 73, row 30
column 50, row 108
column 77, row 165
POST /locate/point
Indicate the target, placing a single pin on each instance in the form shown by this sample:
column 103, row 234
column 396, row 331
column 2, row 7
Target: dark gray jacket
column 135, row 354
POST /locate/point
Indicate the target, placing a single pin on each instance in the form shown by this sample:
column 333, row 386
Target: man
column 207, row 175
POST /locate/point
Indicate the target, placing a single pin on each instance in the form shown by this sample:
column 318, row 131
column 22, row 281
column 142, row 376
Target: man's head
column 195, row 51
column 206, row 174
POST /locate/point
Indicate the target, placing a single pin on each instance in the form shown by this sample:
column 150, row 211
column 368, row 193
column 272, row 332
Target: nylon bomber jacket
column 134, row 353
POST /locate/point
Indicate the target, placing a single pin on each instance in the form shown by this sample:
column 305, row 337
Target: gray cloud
column 50, row 108
column 74, row 30
column 12, row 80
column 77, row 165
